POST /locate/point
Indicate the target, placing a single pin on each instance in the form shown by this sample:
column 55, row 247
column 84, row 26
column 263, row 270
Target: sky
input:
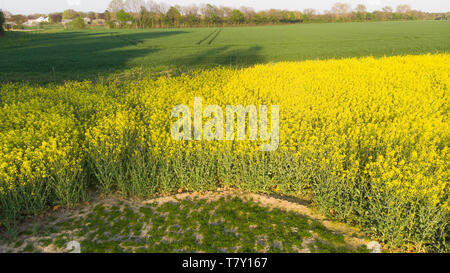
column 48, row 6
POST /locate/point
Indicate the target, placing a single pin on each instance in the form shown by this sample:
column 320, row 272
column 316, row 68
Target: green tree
column 109, row 20
column 194, row 19
column 237, row 17
column 79, row 23
column 261, row 18
column 2, row 21
column 123, row 18
column 91, row 15
column 361, row 12
column 144, row 19
column 69, row 14
column 173, row 16
column 211, row 14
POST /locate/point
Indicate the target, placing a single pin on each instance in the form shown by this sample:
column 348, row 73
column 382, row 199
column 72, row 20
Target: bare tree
column 226, row 11
column 249, row 12
column 164, row 7
column 274, row 15
column 115, row 5
column 361, row 8
column 309, row 12
column 192, row 15
column 152, row 6
column 388, row 9
column 157, row 8
column 385, row 14
column 191, row 10
column 341, row 9
column 403, row 9
column 134, row 6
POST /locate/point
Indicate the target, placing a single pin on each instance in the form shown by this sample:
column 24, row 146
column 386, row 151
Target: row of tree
column 150, row 14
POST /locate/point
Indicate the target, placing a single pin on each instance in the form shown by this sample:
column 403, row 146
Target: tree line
column 150, row 14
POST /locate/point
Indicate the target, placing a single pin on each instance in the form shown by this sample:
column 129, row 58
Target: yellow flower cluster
column 35, row 142
column 382, row 121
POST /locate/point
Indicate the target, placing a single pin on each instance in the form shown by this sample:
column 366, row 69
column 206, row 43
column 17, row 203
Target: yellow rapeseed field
column 368, row 138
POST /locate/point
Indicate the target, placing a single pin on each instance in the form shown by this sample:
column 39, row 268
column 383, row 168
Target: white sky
column 47, row 6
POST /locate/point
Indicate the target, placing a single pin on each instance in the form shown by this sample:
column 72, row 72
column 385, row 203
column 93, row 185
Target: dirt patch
column 352, row 235
column 205, row 218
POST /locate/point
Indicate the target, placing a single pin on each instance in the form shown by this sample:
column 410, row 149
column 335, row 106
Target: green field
column 57, row 54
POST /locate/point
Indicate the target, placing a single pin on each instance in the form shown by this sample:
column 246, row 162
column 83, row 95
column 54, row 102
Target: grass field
column 55, row 55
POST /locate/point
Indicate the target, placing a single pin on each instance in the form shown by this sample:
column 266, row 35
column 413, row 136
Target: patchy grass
column 192, row 224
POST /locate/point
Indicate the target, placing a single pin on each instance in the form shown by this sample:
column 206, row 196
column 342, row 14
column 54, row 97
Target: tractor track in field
column 127, row 40
column 213, row 34
column 214, row 37
column 206, row 38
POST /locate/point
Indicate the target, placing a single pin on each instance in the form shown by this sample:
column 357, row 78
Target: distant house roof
column 42, row 19
column 34, row 22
